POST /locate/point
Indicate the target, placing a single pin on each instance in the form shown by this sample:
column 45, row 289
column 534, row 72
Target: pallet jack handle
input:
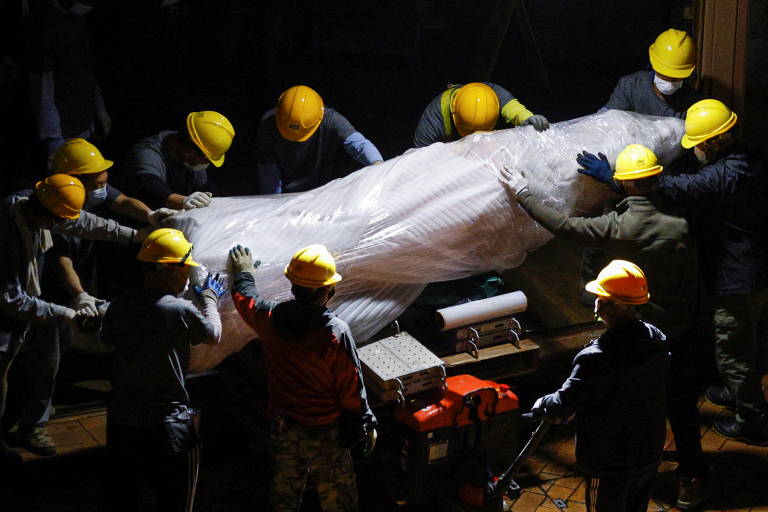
column 494, row 491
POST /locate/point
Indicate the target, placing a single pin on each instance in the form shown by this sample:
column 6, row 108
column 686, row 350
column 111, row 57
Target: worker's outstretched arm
column 131, row 208
column 209, row 293
column 253, row 310
column 362, row 149
column 577, row 388
column 716, row 179
column 580, row 229
column 93, row 227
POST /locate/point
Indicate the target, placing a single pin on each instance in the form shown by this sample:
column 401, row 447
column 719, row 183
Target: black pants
column 619, row 493
column 682, row 407
column 149, row 455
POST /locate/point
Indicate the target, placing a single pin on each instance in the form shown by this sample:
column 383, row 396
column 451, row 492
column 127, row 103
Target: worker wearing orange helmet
column 169, row 169
column 302, row 144
column 308, row 348
column 616, row 390
column 464, row 109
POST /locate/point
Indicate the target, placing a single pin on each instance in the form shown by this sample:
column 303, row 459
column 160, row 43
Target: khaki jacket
column 659, row 243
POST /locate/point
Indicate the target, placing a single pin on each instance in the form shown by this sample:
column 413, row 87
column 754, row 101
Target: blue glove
column 594, row 167
column 213, row 283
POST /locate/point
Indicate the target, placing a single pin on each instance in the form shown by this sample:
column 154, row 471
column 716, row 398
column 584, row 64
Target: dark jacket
column 643, row 233
column 729, row 198
column 617, row 390
column 635, row 93
column 313, row 370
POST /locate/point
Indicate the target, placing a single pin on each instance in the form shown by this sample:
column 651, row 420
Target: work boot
column 730, row 429
column 693, row 491
column 719, row 396
column 39, row 441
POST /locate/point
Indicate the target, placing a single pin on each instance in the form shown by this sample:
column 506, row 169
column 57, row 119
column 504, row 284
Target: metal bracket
column 444, row 384
column 472, row 341
column 396, row 327
column 400, row 392
column 515, row 333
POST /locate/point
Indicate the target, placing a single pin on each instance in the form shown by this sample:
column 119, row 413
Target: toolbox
column 399, row 366
column 471, row 426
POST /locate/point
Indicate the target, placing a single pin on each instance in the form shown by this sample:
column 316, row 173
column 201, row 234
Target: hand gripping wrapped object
column 432, row 214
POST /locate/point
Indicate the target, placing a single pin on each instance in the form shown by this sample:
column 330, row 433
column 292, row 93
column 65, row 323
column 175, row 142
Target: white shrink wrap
column 432, row 214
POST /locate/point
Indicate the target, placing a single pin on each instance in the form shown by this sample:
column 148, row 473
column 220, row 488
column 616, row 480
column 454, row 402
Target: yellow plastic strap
column 515, row 112
column 445, row 110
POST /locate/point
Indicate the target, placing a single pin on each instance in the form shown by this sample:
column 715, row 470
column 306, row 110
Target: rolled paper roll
column 481, row 310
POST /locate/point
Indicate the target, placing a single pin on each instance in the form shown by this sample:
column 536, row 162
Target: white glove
column 538, row 406
column 156, row 217
column 85, row 305
column 197, row 200
column 514, row 181
column 539, row 123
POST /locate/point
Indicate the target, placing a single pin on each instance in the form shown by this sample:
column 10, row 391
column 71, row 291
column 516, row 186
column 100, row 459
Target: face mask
column 196, row 168
column 78, row 9
column 96, row 197
column 666, row 88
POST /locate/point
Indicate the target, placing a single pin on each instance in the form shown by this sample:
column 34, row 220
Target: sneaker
column 719, row 396
column 730, row 429
column 39, row 442
column 693, row 491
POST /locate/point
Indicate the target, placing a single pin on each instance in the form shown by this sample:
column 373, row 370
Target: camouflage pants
column 741, row 342
column 301, row 454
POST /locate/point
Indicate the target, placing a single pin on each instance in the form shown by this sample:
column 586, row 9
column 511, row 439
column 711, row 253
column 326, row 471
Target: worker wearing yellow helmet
column 464, row 109
column 642, row 230
column 302, row 144
column 152, row 330
column 616, row 389
column 664, row 89
column 169, row 169
column 307, row 348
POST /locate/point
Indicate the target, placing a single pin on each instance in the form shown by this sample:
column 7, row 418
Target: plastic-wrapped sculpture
column 431, row 214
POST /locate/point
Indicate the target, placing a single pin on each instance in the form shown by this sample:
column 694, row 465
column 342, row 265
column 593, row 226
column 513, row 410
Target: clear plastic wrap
column 431, row 214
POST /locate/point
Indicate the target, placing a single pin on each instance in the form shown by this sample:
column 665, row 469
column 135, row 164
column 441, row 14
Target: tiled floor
column 740, row 483
column 741, row 470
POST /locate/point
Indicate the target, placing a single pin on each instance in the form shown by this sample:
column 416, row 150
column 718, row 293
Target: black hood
column 293, row 319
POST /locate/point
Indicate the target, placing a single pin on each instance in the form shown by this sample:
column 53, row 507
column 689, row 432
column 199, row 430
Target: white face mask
column 196, row 168
column 666, row 88
column 78, row 9
column 96, row 197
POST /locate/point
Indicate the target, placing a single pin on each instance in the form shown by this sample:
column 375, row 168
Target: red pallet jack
column 490, row 498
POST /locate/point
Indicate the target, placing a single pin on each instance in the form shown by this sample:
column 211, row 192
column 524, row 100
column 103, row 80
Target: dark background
column 379, row 63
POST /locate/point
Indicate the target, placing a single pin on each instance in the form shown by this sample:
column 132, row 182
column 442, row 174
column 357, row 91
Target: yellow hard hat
column 212, row 133
column 312, row 266
column 299, row 113
column 166, row 245
column 474, row 108
column 673, row 54
column 636, row 161
column 622, row 281
column 78, row 156
column 62, row 195
column 706, row 119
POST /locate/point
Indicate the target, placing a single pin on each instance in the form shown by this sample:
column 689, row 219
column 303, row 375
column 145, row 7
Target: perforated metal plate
column 397, row 356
